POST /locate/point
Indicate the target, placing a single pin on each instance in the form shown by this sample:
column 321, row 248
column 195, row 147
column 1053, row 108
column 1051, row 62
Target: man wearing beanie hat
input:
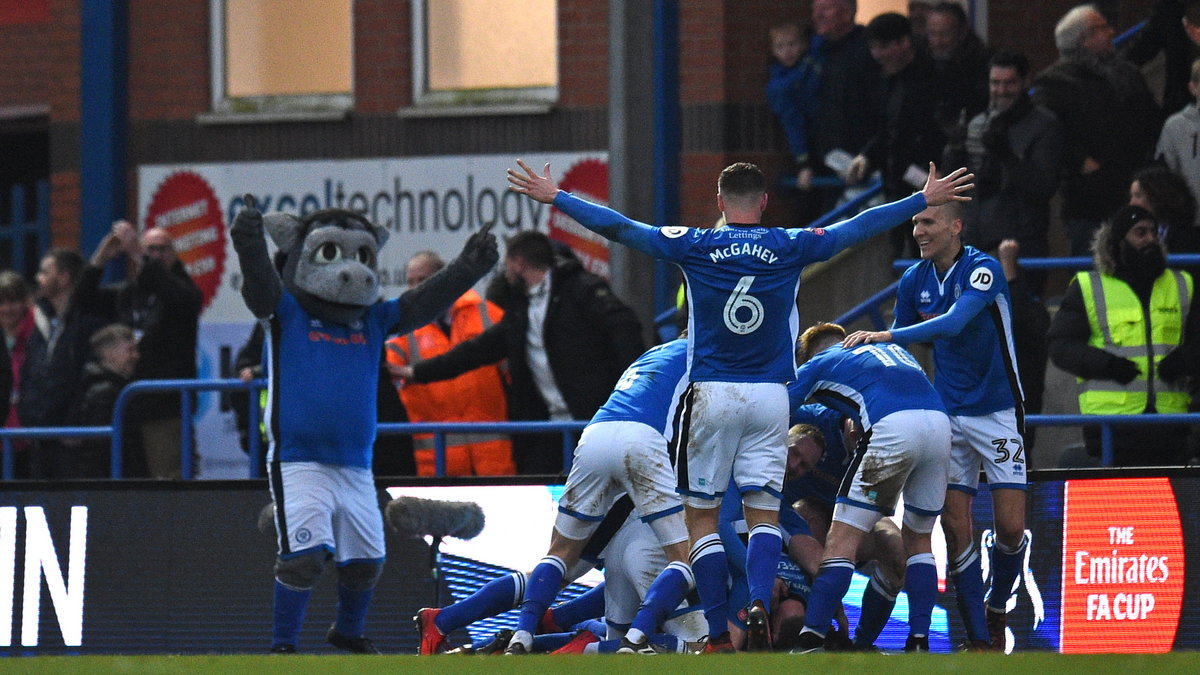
column 1129, row 331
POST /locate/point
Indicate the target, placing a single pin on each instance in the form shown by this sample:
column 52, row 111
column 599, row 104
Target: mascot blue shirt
column 322, row 400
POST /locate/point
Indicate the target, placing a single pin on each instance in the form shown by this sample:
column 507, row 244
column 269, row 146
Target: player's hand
column 860, row 337
column 542, row 188
column 940, row 191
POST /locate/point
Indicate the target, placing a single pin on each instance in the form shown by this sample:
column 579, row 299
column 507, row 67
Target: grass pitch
column 923, row 664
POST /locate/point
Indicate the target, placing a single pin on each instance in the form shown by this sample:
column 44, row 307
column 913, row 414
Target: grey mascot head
column 330, row 260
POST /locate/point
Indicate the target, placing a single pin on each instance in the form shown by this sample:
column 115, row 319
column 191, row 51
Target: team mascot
column 319, row 301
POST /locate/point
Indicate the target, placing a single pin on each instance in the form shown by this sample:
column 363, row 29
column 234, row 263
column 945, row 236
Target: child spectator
column 115, row 354
column 792, row 90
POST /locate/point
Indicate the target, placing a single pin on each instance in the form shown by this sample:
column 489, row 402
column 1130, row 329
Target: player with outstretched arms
column 742, row 281
column 958, row 299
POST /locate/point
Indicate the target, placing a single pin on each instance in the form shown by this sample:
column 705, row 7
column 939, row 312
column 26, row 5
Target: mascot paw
column 249, row 221
column 481, row 251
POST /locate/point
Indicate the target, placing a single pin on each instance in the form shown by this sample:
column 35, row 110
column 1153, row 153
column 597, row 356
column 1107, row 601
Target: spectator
column 1165, row 195
column 475, row 396
column 162, row 304
column 567, row 339
column 114, row 357
column 1177, row 147
column 1014, row 148
column 1121, row 331
column 793, row 87
column 961, row 61
column 54, row 358
column 1165, row 33
column 1030, row 322
column 16, row 320
column 918, row 14
column 848, row 110
column 1108, row 116
column 910, row 137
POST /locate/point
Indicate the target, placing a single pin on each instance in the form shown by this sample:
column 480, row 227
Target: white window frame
column 523, row 100
column 266, row 108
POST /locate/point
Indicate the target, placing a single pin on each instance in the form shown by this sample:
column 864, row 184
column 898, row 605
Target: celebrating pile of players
column 731, row 495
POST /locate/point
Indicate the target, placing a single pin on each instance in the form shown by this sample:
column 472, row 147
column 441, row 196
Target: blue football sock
column 290, row 604
column 589, row 605
column 712, row 577
column 877, row 603
column 762, row 560
column 496, row 596
column 664, row 595
column 352, row 611
column 967, row 574
column 544, row 583
column 828, row 589
column 1006, row 567
column 920, row 583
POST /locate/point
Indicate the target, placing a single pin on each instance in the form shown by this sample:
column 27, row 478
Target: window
column 485, row 54
column 282, row 56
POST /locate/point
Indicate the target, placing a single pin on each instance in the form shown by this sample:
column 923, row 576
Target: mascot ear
column 283, row 228
column 381, row 235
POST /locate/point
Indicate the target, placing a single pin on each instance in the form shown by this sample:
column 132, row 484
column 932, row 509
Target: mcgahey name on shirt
column 761, row 252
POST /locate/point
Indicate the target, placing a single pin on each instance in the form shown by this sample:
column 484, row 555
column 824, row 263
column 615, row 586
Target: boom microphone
column 435, row 517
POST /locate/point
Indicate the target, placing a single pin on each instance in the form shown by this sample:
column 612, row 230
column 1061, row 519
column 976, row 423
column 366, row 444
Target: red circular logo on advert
column 185, row 205
column 586, row 179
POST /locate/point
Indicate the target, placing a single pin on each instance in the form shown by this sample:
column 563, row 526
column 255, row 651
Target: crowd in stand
column 1087, row 130
column 854, row 101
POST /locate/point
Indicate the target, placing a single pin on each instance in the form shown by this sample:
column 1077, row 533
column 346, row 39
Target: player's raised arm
column 880, row 219
column 599, row 219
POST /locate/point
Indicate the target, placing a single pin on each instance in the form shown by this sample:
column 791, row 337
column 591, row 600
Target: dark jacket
column 94, row 408
column 910, row 134
column 162, row 305
column 590, row 337
column 1016, row 159
column 849, row 110
column 1108, row 114
column 963, row 80
column 50, row 378
column 1068, row 338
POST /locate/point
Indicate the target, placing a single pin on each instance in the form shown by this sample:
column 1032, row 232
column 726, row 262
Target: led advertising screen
column 131, row 567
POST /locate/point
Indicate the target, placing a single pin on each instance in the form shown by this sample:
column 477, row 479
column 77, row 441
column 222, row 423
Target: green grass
column 925, row 664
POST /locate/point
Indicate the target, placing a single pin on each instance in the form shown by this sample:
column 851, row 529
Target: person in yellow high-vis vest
column 1128, row 331
column 475, row 396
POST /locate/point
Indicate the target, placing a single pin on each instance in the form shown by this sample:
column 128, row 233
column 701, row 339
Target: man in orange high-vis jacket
column 474, row 396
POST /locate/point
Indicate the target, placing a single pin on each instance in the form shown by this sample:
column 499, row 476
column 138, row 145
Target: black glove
column 480, row 252
column 1171, row 367
column 248, row 225
column 1121, row 370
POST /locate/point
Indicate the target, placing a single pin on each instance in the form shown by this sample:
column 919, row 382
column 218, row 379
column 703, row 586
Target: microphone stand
column 435, row 564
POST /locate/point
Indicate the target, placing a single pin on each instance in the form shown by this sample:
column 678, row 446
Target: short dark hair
column 951, row 9
column 531, row 246
column 13, row 287
column 1191, row 11
column 741, row 179
column 888, row 27
column 1170, row 198
column 68, row 261
column 1007, row 58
